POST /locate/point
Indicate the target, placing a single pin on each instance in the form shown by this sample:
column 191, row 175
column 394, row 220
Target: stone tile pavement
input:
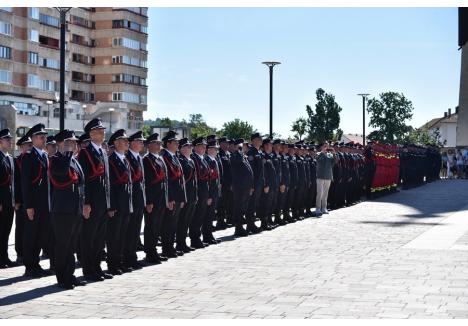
column 349, row 264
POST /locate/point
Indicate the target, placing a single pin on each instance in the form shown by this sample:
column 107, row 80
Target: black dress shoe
column 66, row 286
column 153, row 260
column 94, row 278
column 10, row 263
column 179, row 253
column 188, row 248
column 114, row 271
column 221, row 225
column 19, row 260
column 106, row 276
column 126, row 269
column 137, row 265
column 253, row 229
column 46, row 272
column 170, row 254
column 197, row 245
column 265, row 227
column 35, row 273
column 77, row 282
column 241, row 232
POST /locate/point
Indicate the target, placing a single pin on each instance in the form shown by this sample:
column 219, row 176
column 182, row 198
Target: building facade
column 445, row 127
column 106, row 66
column 462, row 126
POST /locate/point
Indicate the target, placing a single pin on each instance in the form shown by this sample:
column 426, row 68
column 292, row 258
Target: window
column 126, row 42
column 34, row 13
column 34, row 81
column 116, row 96
column 5, row 28
column 142, row 99
column 6, row 9
column 144, row 29
column 48, row 85
column 49, row 20
column 23, row 108
column 50, row 63
column 5, row 77
column 33, row 35
column 5, row 52
column 33, row 58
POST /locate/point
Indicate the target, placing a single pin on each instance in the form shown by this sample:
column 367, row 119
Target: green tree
column 237, row 129
column 299, row 127
column 166, row 122
column 322, row 122
column 146, row 130
column 389, row 115
column 423, row 136
column 198, row 126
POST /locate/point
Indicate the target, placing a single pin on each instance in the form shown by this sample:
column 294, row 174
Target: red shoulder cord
column 39, row 175
column 97, row 171
column 122, row 179
column 137, row 175
column 177, row 173
column 213, row 174
column 203, row 177
column 160, row 176
column 72, row 179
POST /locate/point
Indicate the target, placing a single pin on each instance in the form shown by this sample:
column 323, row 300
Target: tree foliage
column 237, row 129
column 388, row 115
column 299, row 127
column 325, row 120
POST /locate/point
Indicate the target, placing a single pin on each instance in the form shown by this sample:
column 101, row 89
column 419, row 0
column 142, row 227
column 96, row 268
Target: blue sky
column 208, row 61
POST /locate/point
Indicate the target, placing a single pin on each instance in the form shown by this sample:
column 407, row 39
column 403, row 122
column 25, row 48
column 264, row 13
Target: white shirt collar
column 200, row 156
column 135, row 154
column 96, row 147
column 122, row 157
column 172, row 154
column 155, row 155
column 40, row 151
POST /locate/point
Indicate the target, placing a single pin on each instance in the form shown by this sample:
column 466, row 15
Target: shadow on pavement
column 29, row 295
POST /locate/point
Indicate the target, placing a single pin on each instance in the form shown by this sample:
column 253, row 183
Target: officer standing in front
column 94, row 162
column 66, row 206
column 35, row 188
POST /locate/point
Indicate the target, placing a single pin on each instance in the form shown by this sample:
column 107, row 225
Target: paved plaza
column 404, row 255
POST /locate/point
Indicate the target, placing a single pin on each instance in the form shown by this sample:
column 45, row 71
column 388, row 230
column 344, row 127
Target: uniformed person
column 136, row 145
column 51, row 146
column 281, row 150
column 94, row 162
column 214, row 190
column 24, row 144
column 156, row 197
column 293, row 183
column 176, row 193
column 203, row 194
column 35, row 189
column 267, row 198
column 121, row 205
column 67, row 200
column 242, row 186
column 7, row 196
column 190, row 179
column 255, row 157
column 298, row 204
column 225, row 202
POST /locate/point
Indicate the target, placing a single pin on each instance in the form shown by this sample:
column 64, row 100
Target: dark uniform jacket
column 138, row 181
column 285, row 174
column 7, row 176
column 293, row 171
column 255, row 158
column 176, row 188
column 203, row 176
column 67, row 180
column 155, row 180
column 243, row 178
column 270, row 172
column 121, row 185
column 96, row 177
column 215, row 177
column 190, row 177
column 35, row 180
column 226, row 178
column 18, row 166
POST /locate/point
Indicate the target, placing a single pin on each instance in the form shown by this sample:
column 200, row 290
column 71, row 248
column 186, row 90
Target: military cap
column 232, row 141
column 23, row 140
column 292, row 146
column 255, row 135
column 184, row 142
column 5, row 133
column 65, row 135
column 50, row 140
column 38, row 129
column 210, row 137
column 212, row 144
column 266, row 141
column 239, row 141
column 223, row 140
column 152, row 138
column 96, row 123
column 199, row 141
column 137, row 136
column 84, row 137
column 119, row 134
column 170, row 135
column 276, row 141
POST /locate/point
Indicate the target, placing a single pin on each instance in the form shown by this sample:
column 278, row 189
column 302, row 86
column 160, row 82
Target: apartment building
column 106, row 67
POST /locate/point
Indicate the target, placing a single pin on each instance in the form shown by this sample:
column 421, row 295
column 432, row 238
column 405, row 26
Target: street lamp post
column 83, row 114
column 49, row 103
column 63, row 21
column 270, row 65
column 110, row 119
column 364, row 97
